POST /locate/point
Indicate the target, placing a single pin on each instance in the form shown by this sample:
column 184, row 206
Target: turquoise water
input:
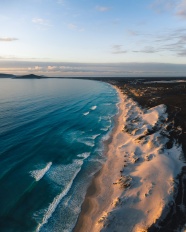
column 51, row 144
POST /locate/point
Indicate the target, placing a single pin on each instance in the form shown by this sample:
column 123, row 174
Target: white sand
column 137, row 181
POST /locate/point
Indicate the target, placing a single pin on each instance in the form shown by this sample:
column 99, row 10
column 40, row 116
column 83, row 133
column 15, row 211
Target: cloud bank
column 7, row 39
column 62, row 69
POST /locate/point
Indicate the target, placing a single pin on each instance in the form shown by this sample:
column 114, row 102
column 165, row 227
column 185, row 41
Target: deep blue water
column 51, row 144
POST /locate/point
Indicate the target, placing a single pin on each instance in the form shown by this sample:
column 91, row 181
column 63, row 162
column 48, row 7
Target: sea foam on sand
column 148, row 169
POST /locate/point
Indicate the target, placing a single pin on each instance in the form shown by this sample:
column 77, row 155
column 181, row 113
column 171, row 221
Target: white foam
column 93, row 107
column 93, row 136
column 105, row 128
column 56, row 201
column 38, row 174
column 86, row 113
column 106, row 137
column 84, row 155
column 106, row 118
column 87, row 142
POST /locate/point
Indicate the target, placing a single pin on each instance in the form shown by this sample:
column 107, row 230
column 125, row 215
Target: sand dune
column 137, row 182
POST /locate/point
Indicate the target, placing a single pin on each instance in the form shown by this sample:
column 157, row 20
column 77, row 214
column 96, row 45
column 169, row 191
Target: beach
column 102, row 191
column 138, row 181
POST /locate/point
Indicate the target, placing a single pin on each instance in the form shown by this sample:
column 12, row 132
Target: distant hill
column 30, row 76
column 2, row 75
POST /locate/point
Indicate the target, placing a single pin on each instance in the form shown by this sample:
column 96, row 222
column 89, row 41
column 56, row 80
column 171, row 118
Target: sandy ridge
column 137, row 181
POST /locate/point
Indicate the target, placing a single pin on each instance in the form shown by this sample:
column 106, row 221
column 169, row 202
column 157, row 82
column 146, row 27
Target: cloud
column 41, row 23
column 102, row 8
column 36, row 68
column 7, row 39
column 160, row 6
column 133, row 33
column 172, row 42
column 20, row 58
column 117, row 49
column 177, row 7
column 51, row 67
column 60, row 69
column 148, row 49
column 182, row 53
column 74, row 27
column 181, row 9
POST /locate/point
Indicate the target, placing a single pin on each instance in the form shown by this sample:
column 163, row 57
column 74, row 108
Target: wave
column 105, row 128
column 93, row 107
column 88, row 143
column 95, row 136
column 100, row 118
column 56, row 201
column 84, row 155
column 89, row 140
column 86, row 113
column 106, row 137
column 38, row 174
column 107, row 118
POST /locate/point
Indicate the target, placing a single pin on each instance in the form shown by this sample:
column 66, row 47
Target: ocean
column 51, row 144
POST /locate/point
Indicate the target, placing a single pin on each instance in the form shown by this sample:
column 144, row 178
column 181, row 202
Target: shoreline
column 94, row 206
column 129, row 185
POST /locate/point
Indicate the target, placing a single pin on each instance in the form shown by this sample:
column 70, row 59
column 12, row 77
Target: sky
column 93, row 38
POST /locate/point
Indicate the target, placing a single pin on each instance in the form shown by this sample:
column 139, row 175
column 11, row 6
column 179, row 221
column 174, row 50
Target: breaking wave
column 86, row 113
column 56, row 201
column 93, row 107
column 38, row 174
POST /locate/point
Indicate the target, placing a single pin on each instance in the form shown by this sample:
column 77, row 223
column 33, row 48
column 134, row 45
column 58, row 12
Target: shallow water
column 51, row 144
